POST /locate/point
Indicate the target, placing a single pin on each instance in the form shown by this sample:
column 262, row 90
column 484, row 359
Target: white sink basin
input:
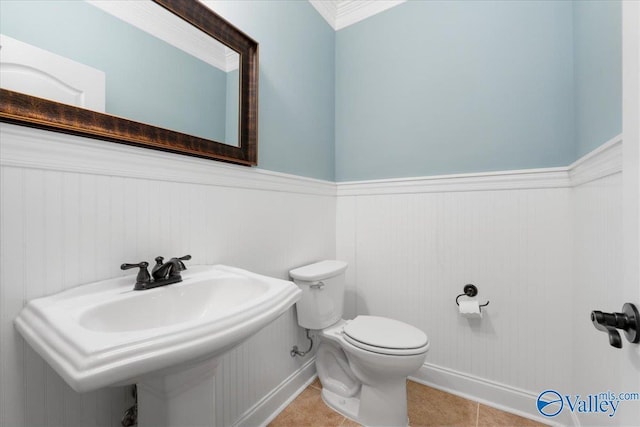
column 215, row 294
column 106, row 333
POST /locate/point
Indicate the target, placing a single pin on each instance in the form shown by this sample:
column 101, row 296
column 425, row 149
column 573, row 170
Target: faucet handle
column 180, row 264
column 143, row 275
column 142, row 264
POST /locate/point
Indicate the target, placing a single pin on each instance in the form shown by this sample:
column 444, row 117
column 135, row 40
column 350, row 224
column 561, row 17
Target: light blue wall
column 597, row 35
column 439, row 87
column 425, row 88
column 296, row 97
column 147, row 80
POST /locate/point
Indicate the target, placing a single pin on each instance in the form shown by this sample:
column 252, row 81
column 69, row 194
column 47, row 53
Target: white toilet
column 362, row 363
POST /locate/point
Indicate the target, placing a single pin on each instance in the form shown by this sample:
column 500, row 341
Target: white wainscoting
column 74, row 209
column 413, row 253
column 412, row 244
column 598, row 277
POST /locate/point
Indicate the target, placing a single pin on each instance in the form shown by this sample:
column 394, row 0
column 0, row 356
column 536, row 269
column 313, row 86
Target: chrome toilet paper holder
column 470, row 291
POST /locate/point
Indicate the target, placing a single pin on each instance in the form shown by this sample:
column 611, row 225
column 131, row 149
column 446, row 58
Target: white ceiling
column 342, row 13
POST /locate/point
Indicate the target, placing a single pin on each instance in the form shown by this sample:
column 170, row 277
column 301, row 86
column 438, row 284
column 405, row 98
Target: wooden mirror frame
column 37, row 112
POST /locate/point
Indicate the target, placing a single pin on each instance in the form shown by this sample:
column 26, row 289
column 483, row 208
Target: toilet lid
column 382, row 334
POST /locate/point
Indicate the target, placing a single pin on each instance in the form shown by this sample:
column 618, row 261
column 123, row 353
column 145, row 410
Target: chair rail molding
column 603, row 161
column 40, row 149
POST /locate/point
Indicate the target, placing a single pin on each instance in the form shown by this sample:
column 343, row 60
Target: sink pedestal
column 179, row 397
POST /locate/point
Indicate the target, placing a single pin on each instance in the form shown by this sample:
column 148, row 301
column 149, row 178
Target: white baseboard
column 263, row 412
column 500, row 396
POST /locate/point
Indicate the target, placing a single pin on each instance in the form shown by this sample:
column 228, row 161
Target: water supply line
column 295, row 352
column 130, row 417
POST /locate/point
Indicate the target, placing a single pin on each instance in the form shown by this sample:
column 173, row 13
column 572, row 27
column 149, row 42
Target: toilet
column 362, row 363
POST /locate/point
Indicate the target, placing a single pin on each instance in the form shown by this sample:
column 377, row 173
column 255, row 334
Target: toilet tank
column 322, row 298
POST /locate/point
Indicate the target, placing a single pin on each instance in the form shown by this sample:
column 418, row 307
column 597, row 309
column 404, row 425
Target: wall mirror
column 164, row 74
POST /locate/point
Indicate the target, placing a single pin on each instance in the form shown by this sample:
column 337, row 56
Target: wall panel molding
column 598, row 277
column 81, row 207
column 74, row 209
column 25, row 147
column 413, row 243
column 488, row 181
column 38, row 149
column 601, row 162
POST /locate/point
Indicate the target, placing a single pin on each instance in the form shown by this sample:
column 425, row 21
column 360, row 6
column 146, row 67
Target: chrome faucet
column 163, row 273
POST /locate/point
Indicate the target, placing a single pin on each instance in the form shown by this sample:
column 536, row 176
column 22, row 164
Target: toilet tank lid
column 319, row 270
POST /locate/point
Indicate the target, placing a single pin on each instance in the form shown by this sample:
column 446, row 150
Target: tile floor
column 427, row 407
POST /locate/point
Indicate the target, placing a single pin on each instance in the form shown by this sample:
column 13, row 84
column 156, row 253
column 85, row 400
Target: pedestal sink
column 168, row 340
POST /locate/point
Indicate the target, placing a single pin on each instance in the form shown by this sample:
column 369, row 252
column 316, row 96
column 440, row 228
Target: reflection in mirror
column 130, row 59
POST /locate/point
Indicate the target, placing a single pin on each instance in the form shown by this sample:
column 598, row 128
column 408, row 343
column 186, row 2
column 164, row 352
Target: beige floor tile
column 349, row 423
column 307, row 410
column 430, row 407
column 427, row 407
column 489, row 417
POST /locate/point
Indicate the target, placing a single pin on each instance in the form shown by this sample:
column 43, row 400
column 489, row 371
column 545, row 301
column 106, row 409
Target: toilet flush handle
column 317, row 285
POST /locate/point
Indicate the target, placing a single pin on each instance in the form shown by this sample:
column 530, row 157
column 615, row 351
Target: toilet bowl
column 362, row 363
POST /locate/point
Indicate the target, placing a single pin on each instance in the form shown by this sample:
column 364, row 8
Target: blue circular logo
column 550, row 403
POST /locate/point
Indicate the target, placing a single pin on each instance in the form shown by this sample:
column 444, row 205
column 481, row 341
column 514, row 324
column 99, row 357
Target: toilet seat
column 385, row 336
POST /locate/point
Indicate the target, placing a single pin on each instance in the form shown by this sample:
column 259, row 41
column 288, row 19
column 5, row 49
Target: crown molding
column 327, row 9
column 158, row 22
column 342, row 13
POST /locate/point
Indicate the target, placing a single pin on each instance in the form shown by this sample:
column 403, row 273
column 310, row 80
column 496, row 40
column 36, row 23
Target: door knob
column 628, row 321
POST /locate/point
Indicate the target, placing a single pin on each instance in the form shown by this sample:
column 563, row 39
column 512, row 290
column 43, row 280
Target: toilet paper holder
column 470, row 291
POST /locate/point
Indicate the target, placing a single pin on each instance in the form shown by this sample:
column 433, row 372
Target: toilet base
column 347, row 406
column 387, row 413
